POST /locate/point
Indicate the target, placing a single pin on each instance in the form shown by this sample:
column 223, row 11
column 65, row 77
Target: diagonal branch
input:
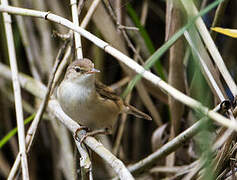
column 157, row 81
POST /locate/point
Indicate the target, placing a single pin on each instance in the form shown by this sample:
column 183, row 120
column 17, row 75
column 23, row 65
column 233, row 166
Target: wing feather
column 107, row 93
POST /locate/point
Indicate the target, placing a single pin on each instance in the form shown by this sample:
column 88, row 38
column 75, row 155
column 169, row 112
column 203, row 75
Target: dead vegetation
column 187, row 86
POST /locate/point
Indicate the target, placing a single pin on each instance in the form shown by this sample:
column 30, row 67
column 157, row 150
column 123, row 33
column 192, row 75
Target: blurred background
column 37, row 43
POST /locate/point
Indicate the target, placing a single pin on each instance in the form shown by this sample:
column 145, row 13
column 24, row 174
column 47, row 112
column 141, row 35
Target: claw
column 78, row 130
column 95, row 132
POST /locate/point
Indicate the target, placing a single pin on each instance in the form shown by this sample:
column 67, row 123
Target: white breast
column 85, row 107
column 73, row 98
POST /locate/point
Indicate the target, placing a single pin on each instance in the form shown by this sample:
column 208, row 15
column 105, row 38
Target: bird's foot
column 105, row 131
column 78, row 130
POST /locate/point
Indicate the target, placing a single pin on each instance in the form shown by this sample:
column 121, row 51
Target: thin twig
column 218, row 17
column 62, row 66
column 46, row 44
column 140, row 87
column 90, row 12
column 207, row 67
column 26, row 43
column 120, row 83
column 121, row 129
column 128, row 28
column 80, row 6
column 77, row 36
column 17, row 93
column 124, row 33
column 168, row 148
column 85, row 162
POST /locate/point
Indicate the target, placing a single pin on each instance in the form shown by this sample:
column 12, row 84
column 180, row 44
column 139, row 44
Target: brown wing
column 106, row 92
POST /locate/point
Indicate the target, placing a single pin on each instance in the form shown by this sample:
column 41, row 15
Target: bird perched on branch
column 88, row 101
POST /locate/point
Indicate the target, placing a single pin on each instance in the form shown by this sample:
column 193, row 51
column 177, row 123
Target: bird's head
column 81, row 70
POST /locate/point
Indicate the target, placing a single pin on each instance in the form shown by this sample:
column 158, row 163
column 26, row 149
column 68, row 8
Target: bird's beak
column 93, row 71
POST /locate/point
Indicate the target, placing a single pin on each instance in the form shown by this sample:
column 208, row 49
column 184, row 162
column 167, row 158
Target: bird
column 88, row 101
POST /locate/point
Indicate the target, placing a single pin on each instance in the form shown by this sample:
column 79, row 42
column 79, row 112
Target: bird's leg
column 78, row 130
column 105, row 131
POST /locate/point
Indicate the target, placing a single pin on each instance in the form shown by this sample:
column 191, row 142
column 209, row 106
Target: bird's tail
column 137, row 113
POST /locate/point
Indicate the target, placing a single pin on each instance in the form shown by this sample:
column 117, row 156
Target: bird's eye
column 77, row 69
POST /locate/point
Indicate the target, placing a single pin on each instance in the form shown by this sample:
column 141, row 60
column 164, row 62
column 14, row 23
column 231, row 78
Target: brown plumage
column 90, row 102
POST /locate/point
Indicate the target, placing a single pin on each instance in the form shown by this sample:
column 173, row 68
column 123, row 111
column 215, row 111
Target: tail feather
column 137, row 113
